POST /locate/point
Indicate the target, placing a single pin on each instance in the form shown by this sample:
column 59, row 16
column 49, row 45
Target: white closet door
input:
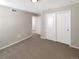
column 50, row 26
column 64, row 27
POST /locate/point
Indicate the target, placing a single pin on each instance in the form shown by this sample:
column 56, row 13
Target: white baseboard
column 47, row 38
column 43, row 37
column 15, row 42
column 74, row 47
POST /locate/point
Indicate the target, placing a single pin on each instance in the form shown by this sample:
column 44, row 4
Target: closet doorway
column 58, row 26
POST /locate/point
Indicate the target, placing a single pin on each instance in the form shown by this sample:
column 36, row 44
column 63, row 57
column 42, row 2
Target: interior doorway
column 58, row 26
column 36, row 24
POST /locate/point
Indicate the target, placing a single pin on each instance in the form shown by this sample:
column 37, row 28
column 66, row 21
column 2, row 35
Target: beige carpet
column 36, row 48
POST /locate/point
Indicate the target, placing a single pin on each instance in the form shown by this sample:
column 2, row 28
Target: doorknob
column 67, row 29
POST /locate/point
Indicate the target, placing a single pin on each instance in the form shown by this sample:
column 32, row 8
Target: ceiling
column 40, row 6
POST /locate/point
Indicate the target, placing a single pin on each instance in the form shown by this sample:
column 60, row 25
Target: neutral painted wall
column 74, row 22
column 43, row 27
column 14, row 26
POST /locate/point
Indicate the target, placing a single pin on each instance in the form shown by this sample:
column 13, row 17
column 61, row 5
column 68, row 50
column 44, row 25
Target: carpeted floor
column 37, row 48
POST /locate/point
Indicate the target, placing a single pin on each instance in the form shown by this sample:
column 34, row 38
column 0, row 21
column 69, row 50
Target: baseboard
column 74, row 47
column 43, row 37
column 15, row 42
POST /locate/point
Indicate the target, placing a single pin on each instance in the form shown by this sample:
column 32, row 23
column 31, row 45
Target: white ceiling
column 38, row 7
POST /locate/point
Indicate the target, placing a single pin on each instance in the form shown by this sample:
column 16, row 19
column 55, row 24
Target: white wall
column 14, row 26
column 74, row 22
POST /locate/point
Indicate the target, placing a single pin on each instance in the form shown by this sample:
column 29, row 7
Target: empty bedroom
column 39, row 29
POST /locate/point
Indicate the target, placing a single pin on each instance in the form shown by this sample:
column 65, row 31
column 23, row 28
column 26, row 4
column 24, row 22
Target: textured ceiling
column 38, row 7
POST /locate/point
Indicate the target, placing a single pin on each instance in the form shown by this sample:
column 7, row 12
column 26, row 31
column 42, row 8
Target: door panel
column 63, row 27
column 50, row 26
